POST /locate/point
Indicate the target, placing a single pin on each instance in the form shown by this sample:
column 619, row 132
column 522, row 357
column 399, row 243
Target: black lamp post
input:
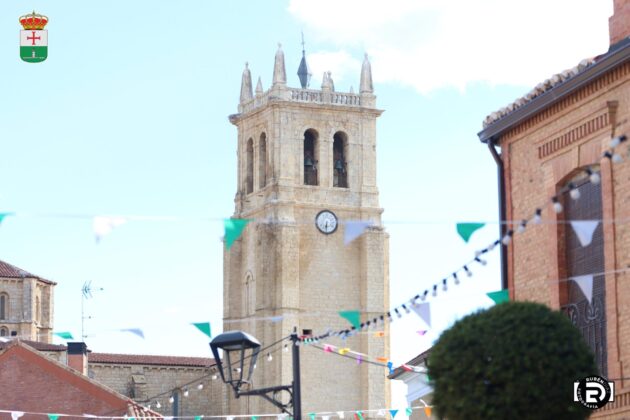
column 240, row 351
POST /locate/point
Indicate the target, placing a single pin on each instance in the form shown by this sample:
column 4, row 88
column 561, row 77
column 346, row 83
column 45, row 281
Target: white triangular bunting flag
column 103, row 225
column 584, row 230
column 586, row 285
column 15, row 415
column 354, row 229
column 423, row 310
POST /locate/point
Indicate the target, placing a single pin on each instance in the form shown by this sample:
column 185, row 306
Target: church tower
column 306, row 166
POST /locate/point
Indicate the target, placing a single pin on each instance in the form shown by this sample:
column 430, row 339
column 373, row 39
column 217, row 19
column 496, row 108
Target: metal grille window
column 589, row 318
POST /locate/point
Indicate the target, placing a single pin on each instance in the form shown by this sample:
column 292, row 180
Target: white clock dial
column 326, row 221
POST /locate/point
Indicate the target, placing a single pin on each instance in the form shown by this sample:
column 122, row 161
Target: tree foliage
column 516, row 360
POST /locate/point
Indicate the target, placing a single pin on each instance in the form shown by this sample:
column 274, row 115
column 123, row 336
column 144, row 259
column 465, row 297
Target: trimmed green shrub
column 516, row 360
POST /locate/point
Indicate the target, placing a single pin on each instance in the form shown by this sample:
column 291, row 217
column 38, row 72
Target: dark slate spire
column 303, row 72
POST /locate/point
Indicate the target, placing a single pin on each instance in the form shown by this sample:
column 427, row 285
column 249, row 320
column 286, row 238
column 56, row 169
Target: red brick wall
column 31, row 385
column 619, row 22
column 539, row 155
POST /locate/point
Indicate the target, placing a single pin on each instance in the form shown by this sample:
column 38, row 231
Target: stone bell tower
column 306, row 165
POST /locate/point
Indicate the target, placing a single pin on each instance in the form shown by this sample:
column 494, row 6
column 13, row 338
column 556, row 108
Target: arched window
column 310, row 157
column 262, row 161
column 4, row 306
column 4, row 332
column 340, row 167
column 581, row 262
column 249, row 177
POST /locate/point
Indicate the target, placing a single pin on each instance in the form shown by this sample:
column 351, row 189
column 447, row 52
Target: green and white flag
column 33, row 45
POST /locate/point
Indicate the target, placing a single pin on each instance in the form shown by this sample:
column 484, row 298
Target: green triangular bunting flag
column 3, row 215
column 233, row 229
column 65, row 335
column 53, row 416
column 499, row 296
column 354, row 317
column 408, row 411
column 204, row 327
column 466, row 230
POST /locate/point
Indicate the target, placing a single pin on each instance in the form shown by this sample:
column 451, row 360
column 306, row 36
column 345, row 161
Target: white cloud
column 340, row 63
column 430, row 44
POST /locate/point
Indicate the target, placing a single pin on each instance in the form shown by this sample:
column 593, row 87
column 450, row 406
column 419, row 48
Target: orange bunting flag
column 427, row 411
column 379, row 334
column 344, row 350
column 382, row 359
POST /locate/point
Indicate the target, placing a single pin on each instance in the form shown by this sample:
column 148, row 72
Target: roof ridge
column 12, row 271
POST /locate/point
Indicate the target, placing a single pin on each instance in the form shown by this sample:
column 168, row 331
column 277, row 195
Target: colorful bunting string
column 467, row 229
column 325, row 415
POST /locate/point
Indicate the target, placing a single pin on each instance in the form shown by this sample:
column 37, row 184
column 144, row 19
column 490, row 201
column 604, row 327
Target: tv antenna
column 86, row 293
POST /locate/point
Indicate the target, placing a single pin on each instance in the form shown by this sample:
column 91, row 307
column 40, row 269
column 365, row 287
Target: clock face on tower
column 326, row 222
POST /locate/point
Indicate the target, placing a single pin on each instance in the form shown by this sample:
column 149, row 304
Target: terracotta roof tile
column 37, row 345
column 541, row 88
column 10, row 271
column 141, row 359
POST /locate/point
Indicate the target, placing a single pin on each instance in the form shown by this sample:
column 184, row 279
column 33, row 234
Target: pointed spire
column 303, row 71
column 279, row 73
column 259, row 88
column 246, row 85
column 366, row 77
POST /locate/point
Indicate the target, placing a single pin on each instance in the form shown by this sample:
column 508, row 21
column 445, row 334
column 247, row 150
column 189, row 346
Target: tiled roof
column 10, row 271
column 141, row 359
column 37, row 345
column 541, row 88
column 137, row 411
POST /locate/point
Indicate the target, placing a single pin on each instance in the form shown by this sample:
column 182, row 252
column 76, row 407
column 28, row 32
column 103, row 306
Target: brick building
column 31, row 382
column 548, row 141
column 26, row 315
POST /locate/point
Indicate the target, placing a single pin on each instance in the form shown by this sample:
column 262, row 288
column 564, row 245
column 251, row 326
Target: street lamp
column 240, row 351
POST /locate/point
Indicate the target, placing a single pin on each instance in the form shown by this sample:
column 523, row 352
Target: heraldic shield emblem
column 33, row 39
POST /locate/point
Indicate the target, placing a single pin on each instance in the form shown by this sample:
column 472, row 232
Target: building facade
column 306, row 165
column 550, row 142
column 26, row 304
column 34, row 383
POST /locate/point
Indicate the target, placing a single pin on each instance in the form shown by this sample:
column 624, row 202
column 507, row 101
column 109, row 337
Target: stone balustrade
column 304, row 95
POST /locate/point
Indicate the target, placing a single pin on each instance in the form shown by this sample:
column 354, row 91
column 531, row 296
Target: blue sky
column 128, row 116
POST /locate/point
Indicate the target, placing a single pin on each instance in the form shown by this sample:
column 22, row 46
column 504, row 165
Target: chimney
column 77, row 357
column 619, row 22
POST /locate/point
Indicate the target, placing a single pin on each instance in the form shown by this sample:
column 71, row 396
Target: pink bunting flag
column 421, row 332
column 407, row 367
column 328, row 348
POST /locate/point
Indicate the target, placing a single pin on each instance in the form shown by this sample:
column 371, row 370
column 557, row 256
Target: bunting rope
column 382, row 412
column 422, row 309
